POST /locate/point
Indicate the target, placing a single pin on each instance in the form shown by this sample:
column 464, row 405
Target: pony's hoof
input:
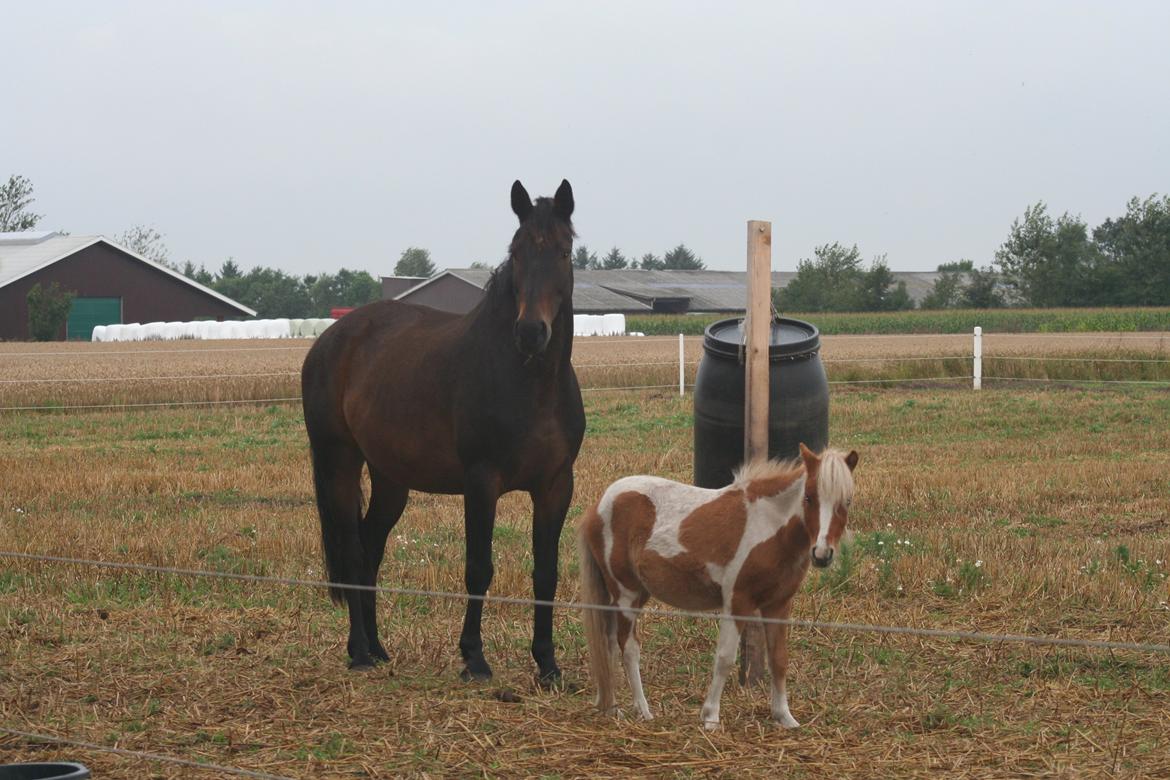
column 378, row 653
column 710, row 725
column 786, row 721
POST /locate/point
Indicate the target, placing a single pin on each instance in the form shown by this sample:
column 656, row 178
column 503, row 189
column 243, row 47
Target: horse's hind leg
column 387, row 500
column 337, row 473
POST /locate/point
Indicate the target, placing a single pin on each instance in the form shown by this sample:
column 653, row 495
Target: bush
column 47, row 311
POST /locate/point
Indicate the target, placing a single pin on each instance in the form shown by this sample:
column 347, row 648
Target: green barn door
column 88, row 313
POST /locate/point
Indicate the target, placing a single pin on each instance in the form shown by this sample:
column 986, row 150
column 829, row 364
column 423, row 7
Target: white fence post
column 681, row 366
column 978, row 368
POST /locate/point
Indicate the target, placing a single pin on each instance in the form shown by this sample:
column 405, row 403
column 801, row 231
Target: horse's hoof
column 786, row 722
column 469, row 675
column 554, row 681
column 710, row 725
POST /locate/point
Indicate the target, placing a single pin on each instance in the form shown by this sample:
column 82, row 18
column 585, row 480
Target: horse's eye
column 568, row 255
column 808, row 499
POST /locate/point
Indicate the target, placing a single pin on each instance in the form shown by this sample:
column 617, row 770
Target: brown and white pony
column 743, row 549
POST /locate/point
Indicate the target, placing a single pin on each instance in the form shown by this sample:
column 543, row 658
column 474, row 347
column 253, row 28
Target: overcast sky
column 312, row 136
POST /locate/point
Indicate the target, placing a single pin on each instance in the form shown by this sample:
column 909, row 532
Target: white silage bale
column 276, row 329
column 114, row 332
column 613, row 324
column 99, row 333
column 153, row 331
column 172, row 331
column 253, row 329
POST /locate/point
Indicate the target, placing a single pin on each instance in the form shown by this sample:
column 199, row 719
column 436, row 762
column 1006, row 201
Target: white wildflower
column 978, row 564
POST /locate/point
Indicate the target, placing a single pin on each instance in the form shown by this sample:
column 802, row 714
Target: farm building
column 111, row 285
column 624, row 292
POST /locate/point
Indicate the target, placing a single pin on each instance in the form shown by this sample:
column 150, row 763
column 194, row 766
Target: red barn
column 111, row 285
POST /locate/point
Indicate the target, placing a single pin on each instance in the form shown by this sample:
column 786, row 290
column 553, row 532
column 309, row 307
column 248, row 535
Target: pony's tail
column 599, row 623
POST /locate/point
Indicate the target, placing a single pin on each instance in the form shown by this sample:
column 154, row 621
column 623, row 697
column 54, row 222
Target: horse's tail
column 599, row 623
column 338, row 528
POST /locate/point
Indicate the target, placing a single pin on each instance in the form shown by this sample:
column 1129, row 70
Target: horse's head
column 542, row 265
column 828, row 491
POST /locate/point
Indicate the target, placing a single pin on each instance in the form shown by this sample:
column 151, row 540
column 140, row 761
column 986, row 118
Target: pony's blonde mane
column 764, row 469
column 834, row 480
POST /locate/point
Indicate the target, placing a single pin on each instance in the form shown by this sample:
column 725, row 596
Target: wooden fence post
column 757, row 336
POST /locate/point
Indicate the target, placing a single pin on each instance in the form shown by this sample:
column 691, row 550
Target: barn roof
column 26, row 253
column 632, row 291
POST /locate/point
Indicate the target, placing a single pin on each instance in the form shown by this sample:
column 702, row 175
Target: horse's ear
column 807, row 455
column 851, row 459
column 521, row 203
column 563, row 200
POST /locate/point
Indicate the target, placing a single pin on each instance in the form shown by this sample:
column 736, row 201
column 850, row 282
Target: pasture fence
column 874, row 628
column 1149, row 373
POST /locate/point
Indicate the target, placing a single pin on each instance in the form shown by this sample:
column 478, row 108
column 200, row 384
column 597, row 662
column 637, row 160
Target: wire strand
column 941, row 633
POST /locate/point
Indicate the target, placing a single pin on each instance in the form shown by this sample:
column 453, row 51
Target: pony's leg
column 627, row 637
column 725, row 651
column 549, row 508
column 479, row 520
column 387, row 500
column 777, row 637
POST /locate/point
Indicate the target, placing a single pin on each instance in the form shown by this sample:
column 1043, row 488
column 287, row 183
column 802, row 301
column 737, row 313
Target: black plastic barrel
column 46, row 770
column 798, row 397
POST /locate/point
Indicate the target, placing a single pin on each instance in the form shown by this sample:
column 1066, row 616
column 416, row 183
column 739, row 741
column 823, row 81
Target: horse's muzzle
column 821, row 563
column 531, row 337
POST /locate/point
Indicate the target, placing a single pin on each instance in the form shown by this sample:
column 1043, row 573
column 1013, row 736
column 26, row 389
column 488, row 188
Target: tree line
column 1044, row 262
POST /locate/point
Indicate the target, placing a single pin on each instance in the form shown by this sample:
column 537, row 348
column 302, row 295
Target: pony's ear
column 809, row 456
column 851, row 459
column 521, row 203
column 563, row 200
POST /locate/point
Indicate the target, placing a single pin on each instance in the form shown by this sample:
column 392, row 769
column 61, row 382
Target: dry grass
column 1008, row 510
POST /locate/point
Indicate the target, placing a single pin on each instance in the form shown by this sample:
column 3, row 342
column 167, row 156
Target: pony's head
column 828, row 491
column 541, row 265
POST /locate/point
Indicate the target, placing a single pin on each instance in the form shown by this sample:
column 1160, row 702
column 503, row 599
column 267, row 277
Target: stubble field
column 1022, row 508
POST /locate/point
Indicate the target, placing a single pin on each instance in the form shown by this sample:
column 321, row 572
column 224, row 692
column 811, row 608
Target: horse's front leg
column 777, row 636
column 549, row 508
column 479, row 520
column 724, row 659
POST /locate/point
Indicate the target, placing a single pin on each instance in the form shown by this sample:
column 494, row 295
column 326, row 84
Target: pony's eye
column 808, row 499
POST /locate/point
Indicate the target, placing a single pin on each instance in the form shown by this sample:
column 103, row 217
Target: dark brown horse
column 478, row 405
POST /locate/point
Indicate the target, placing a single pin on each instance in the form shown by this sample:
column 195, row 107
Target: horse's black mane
column 542, row 221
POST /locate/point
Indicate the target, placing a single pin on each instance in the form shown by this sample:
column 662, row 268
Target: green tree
column 481, row 265
column 229, row 269
column 15, row 197
column 272, row 293
column 48, row 308
column 651, row 262
column 682, row 259
column 982, row 290
column 200, row 274
column 346, row 288
column 831, row 281
column 1049, row 262
column 1135, row 254
column 879, row 291
column 415, row 262
column 146, row 242
column 947, row 290
column 615, row 260
column 583, row 259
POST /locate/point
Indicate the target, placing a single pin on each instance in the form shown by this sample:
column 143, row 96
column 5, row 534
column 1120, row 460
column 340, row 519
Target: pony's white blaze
column 835, row 490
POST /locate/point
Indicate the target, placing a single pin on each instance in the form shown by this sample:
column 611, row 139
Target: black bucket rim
column 66, row 770
column 795, row 349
